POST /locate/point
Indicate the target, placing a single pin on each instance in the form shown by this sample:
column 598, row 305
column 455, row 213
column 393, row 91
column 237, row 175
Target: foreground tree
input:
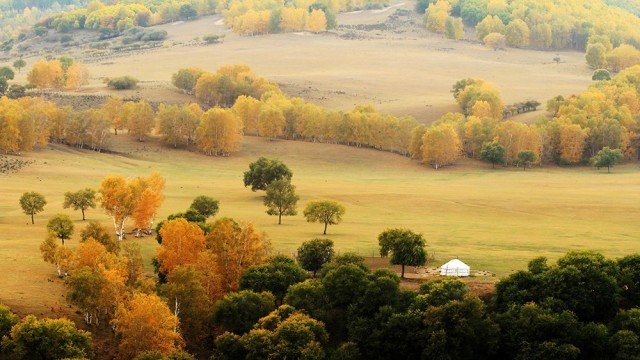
column 406, row 247
column 32, row 203
column 281, row 199
column 146, row 324
column 61, row 226
column 328, row 212
column 314, row 253
column 607, row 158
column 80, row 200
column 50, row 339
column 264, row 171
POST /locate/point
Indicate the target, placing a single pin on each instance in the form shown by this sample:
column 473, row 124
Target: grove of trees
column 605, row 30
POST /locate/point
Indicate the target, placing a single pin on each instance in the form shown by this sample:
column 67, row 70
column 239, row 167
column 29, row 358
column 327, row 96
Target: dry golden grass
column 494, row 220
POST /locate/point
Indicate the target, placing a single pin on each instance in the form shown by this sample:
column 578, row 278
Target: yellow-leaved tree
column 146, row 324
column 236, row 247
column 77, row 75
column 219, row 132
column 182, row 242
column 317, row 21
column 441, row 145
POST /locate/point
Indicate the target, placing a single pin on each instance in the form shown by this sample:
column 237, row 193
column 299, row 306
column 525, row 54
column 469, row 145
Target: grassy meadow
column 494, row 220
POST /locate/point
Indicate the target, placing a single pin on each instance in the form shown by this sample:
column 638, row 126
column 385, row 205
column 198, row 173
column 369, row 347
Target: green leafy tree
column 61, row 226
column 188, row 299
column 237, row 312
column 7, row 73
column 281, row 199
column 314, row 253
column 32, row 203
column 607, row 157
column 7, row 320
column 328, row 212
column 492, row 152
column 80, row 200
column 601, row 74
column 19, row 64
column 308, row 296
column 526, row 158
column 264, row 171
column 455, row 320
column 275, row 277
column 205, row 205
column 405, row 246
column 4, row 85
column 187, row 11
column 50, row 339
column 66, row 62
column 629, row 280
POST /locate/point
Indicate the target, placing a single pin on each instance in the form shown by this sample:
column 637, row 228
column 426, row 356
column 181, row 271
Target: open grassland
column 494, row 220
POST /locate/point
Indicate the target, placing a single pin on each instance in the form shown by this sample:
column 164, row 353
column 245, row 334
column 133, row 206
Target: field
column 495, row 220
column 401, row 69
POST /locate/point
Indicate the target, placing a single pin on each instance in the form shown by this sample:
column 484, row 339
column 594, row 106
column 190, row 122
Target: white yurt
column 455, row 267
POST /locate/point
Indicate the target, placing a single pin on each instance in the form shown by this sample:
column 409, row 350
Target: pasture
column 495, row 220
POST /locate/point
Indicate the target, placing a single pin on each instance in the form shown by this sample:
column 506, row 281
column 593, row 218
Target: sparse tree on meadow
column 314, row 253
column 32, row 203
column 607, row 158
column 405, row 246
column 80, row 200
column 492, row 152
column 328, row 212
column 7, row 73
column 61, row 226
column 264, row 171
column 281, row 199
column 525, row 158
column 205, row 205
column 19, row 64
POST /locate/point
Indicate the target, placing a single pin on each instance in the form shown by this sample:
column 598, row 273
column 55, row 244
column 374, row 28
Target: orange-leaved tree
column 146, row 324
column 182, row 241
column 139, row 198
column 147, row 193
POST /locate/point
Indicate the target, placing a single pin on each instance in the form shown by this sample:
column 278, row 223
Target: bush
column 212, row 38
column 154, row 36
column 122, row 83
column 66, row 38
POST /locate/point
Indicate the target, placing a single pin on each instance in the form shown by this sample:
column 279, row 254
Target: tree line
column 244, row 104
